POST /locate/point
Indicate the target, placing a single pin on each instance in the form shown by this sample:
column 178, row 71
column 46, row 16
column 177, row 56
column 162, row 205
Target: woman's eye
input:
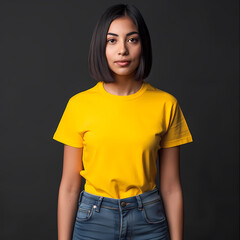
column 111, row 40
column 133, row 40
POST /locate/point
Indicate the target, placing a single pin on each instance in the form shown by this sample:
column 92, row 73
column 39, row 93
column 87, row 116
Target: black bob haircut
column 97, row 61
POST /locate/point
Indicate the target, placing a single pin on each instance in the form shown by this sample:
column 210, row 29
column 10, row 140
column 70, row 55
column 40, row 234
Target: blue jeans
column 141, row 217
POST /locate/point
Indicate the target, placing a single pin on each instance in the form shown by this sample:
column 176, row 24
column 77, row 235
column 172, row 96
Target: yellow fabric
column 121, row 136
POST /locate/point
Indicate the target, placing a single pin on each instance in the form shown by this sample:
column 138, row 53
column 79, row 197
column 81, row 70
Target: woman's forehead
column 122, row 24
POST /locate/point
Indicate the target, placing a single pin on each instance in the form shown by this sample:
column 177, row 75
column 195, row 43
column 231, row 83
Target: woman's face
column 123, row 47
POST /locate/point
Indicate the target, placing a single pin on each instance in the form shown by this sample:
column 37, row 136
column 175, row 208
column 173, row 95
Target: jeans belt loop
column 80, row 197
column 99, row 202
column 140, row 205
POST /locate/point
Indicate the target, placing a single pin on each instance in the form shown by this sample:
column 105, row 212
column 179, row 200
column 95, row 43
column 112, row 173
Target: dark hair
column 97, row 61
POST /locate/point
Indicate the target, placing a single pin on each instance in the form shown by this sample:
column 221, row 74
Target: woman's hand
column 171, row 190
column 69, row 190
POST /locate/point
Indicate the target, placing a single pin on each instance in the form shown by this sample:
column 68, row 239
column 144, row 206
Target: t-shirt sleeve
column 177, row 131
column 66, row 132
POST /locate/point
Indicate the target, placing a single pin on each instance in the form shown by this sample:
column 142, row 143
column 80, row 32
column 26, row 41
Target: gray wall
column 43, row 56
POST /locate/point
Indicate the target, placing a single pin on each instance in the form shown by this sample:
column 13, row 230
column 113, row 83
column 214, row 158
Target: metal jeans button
column 123, row 204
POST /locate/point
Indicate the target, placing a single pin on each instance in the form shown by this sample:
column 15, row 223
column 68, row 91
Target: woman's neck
column 123, row 87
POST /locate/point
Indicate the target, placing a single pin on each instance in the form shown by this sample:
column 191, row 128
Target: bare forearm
column 67, row 207
column 173, row 202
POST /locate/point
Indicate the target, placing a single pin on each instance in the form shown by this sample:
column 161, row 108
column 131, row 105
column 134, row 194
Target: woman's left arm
column 171, row 190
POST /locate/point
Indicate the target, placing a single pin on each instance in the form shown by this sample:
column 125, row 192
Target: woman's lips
column 122, row 63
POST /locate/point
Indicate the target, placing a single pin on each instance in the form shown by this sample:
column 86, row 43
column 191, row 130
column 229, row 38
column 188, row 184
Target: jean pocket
column 84, row 212
column 153, row 212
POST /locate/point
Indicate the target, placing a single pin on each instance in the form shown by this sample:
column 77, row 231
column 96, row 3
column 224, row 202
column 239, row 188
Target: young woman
column 112, row 135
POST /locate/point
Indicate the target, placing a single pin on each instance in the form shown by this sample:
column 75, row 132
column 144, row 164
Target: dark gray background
column 43, row 56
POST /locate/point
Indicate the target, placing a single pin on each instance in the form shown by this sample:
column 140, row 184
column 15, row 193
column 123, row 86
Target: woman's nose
column 122, row 49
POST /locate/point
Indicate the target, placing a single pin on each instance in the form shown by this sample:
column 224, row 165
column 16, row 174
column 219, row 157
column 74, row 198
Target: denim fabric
column 141, row 217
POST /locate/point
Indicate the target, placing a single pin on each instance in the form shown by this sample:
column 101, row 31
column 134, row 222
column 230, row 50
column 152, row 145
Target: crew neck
column 119, row 97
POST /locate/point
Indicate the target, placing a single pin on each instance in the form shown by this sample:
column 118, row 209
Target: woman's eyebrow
column 128, row 34
column 131, row 33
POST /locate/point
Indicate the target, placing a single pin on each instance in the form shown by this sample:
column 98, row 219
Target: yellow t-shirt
column 121, row 136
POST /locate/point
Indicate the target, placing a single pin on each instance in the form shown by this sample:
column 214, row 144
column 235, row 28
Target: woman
column 112, row 135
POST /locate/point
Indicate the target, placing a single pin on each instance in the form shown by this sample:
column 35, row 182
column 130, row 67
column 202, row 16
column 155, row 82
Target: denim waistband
column 125, row 203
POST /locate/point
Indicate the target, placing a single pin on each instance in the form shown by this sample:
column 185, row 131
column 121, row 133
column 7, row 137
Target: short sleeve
column 66, row 132
column 177, row 132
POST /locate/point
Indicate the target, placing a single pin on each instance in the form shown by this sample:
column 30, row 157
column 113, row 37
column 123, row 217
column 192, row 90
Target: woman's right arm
column 69, row 191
